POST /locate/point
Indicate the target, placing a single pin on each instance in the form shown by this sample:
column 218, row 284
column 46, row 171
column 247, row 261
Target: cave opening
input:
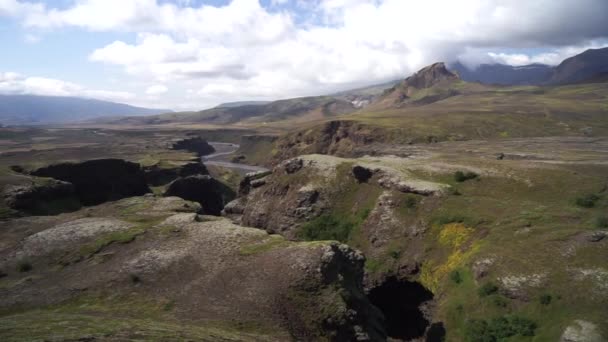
column 401, row 303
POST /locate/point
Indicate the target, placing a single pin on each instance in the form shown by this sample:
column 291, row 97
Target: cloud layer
column 242, row 50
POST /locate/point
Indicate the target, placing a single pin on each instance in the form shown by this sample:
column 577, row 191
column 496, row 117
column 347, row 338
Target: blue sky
column 183, row 54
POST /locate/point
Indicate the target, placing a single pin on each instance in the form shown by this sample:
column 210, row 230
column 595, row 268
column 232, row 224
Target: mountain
column 430, row 84
column 586, row 65
column 297, row 109
column 505, row 74
column 33, row 109
column 362, row 97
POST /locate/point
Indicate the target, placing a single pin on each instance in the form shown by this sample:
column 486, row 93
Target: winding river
column 221, row 158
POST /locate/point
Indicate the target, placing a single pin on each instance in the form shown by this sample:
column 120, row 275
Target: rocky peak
column 430, row 76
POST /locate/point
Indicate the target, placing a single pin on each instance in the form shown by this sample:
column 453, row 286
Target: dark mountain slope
column 581, row 67
column 504, row 74
column 33, row 109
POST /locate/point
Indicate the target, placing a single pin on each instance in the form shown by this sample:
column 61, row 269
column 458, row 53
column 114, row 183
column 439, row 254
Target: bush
column 460, row 176
column 326, row 227
column 498, row 329
column 456, row 277
column 601, row 222
column 487, row 289
column 24, row 266
column 545, row 299
column 410, row 202
column 587, row 201
column 500, row 302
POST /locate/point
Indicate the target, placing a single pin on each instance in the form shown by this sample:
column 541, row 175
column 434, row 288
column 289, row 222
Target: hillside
column 33, row 109
column 580, row 68
column 298, row 109
column 504, row 74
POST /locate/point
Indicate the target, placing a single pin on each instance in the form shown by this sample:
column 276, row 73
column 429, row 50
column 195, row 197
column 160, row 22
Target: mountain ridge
column 37, row 109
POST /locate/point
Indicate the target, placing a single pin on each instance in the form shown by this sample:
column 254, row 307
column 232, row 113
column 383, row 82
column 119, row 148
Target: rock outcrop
column 303, row 188
column 210, row 193
column 100, row 180
column 197, row 145
column 206, row 269
column 157, row 175
column 48, row 196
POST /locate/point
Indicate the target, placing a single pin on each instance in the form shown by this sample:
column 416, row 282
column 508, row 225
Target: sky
column 194, row 54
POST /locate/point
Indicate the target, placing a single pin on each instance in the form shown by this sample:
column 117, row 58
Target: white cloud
column 245, row 51
column 16, row 84
column 157, row 89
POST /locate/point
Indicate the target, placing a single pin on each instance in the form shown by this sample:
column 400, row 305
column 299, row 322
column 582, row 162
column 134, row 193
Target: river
column 221, row 158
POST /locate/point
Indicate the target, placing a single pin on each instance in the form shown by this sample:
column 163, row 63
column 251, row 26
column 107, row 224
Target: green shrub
column 410, row 202
column 395, row 254
column 487, row 289
column 498, row 329
column 460, row 176
column 456, row 277
column 601, row 222
column 24, row 266
column 587, row 201
column 545, row 299
column 326, row 227
column 499, row 301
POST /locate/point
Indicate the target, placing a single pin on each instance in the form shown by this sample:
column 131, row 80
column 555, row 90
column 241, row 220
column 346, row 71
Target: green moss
column 121, row 237
column 326, row 227
column 272, row 242
column 487, row 289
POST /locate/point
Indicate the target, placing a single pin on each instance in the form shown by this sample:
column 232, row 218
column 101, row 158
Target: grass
column 587, row 201
column 601, row 222
column 326, row 227
column 460, row 176
column 498, row 329
column 487, row 289
column 93, row 322
column 272, row 242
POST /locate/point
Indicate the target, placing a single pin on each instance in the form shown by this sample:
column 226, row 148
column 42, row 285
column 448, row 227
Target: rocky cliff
column 100, row 180
column 156, row 258
column 197, row 145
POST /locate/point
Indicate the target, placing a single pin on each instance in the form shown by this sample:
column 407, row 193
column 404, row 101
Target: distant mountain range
column 580, row 68
column 438, row 81
column 33, row 109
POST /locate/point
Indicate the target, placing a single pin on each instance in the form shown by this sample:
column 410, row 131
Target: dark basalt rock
column 403, row 304
column 362, row 174
column 252, row 180
column 292, row 165
column 210, row 193
column 157, row 176
column 101, row 180
column 50, row 197
column 197, row 145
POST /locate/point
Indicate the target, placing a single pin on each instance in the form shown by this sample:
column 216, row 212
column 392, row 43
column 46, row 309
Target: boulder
column 582, row 331
column 292, row 165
